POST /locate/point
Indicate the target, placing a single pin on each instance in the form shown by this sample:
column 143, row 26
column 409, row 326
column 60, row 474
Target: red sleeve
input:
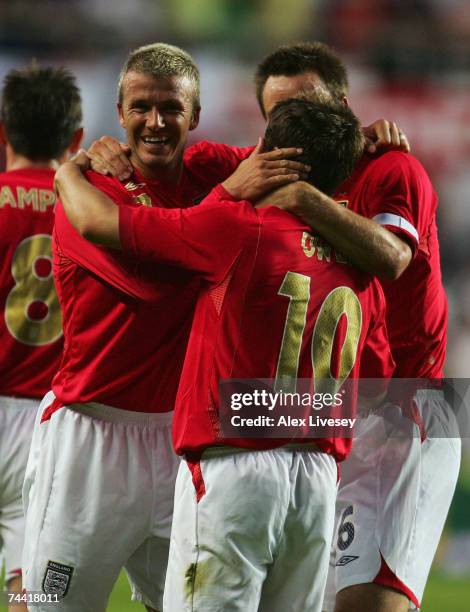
column 111, row 266
column 229, row 156
column 206, row 239
column 212, row 163
column 376, row 357
column 400, row 196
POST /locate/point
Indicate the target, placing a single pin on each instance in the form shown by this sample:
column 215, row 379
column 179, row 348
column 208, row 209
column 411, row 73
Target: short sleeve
column 213, row 163
column 400, row 196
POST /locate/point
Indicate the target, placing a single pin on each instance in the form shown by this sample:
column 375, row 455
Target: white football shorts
column 394, row 495
column 251, row 531
column 17, row 417
column 98, row 496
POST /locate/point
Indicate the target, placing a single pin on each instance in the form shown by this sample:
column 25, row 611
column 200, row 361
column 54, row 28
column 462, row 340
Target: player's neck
column 19, row 162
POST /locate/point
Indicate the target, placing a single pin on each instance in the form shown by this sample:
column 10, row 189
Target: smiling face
column 279, row 88
column 157, row 114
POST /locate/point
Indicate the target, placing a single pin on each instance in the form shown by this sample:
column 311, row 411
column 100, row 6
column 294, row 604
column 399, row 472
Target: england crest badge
column 57, row 578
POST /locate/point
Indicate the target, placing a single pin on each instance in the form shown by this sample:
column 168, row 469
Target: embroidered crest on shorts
column 345, row 559
column 57, row 578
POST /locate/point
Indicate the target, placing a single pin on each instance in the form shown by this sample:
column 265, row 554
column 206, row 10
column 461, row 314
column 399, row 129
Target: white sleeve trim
column 397, row 221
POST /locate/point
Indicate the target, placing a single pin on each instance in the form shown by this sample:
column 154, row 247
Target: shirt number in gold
column 341, row 300
column 32, row 311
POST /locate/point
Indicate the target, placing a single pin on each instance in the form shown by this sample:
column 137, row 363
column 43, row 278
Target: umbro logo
column 345, row 559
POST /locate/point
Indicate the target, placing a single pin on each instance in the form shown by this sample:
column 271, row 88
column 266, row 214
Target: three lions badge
column 57, row 579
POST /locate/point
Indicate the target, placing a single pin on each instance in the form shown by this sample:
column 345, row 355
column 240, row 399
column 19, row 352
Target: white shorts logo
column 345, row 559
column 57, row 578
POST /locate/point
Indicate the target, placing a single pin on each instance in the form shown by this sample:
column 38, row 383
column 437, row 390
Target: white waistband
column 220, row 451
column 118, row 415
column 18, row 403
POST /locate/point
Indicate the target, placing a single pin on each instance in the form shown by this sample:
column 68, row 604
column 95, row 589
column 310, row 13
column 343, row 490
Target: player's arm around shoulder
column 205, row 239
column 92, row 213
column 365, row 243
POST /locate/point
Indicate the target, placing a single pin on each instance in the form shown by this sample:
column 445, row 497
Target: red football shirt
column 30, row 325
column 259, row 273
column 126, row 324
column 395, row 191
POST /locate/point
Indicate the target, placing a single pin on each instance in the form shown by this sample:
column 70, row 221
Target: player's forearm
column 365, row 243
column 91, row 212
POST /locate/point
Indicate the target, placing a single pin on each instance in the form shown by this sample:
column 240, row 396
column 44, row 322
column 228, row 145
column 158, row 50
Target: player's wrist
column 64, row 170
column 307, row 199
column 232, row 192
column 81, row 160
column 225, row 194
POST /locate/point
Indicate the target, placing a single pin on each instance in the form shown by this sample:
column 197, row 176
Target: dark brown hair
column 328, row 132
column 291, row 60
column 41, row 109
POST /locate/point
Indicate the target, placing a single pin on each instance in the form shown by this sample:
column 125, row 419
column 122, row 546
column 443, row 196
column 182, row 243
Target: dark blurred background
column 409, row 60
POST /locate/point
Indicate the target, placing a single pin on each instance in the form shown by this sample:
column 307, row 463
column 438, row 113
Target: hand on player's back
column 262, row 172
column 383, row 135
column 109, row 156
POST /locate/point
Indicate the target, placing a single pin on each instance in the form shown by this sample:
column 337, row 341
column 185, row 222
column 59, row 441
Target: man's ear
column 120, row 115
column 195, row 118
column 76, row 141
column 344, row 101
column 3, row 136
